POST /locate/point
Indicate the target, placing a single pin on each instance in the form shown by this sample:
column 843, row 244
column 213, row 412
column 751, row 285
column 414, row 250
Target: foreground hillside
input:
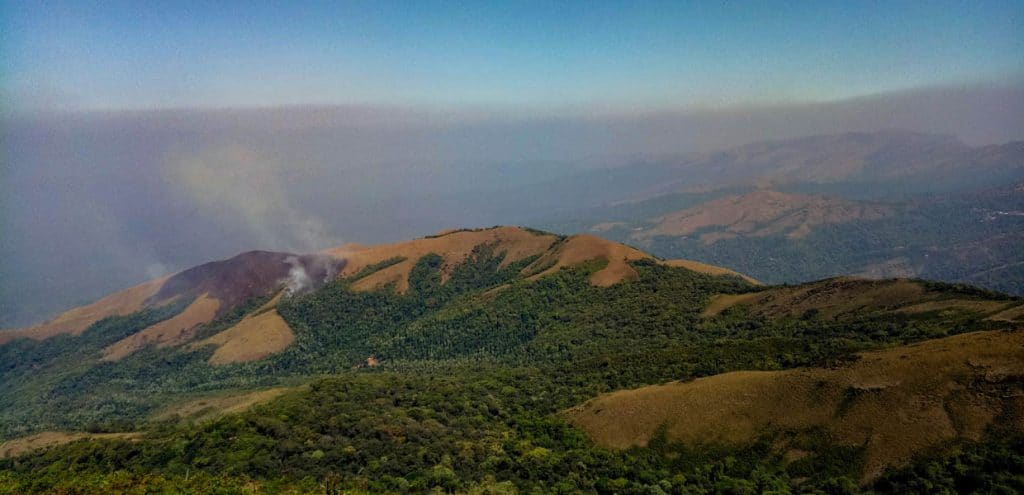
column 929, row 393
column 445, row 363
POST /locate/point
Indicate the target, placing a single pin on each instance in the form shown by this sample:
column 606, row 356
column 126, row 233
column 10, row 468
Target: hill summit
column 500, row 359
column 215, row 289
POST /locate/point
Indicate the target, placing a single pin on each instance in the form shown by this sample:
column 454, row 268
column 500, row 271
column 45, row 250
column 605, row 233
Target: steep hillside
column 454, row 247
column 76, row 320
column 894, row 404
column 259, row 334
column 253, row 274
column 583, row 248
column 50, row 439
column 388, row 303
column 215, row 288
column 708, row 269
column 442, row 364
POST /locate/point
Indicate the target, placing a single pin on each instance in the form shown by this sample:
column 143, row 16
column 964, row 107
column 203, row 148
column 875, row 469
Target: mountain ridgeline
column 508, row 360
column 882, row 204
column 897, row 204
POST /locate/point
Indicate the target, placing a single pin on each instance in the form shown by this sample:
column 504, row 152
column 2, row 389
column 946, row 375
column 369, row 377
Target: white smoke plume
column 299, row 280
column 237, row 183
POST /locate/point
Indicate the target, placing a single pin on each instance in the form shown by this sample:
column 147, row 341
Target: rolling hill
column 883, row 165
column 567, row 198
column 791, row 237
column 930, row 394
column 881, row 204
column 921, row 162
column 213, row 288
column 449, row 362
column 759, row 214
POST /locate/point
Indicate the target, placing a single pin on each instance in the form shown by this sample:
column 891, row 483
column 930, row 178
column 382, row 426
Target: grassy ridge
column 468, row 390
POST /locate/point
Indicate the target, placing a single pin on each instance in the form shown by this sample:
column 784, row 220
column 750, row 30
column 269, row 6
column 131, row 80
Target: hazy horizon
column 142, row 140
column 529, row 246
column 146, row 193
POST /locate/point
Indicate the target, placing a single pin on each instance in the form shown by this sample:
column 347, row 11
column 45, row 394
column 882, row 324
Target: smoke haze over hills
column 96, row 201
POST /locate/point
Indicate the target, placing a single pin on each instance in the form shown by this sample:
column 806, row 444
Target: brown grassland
column 760, row 213
column 209, row 407
column 841, row 297
column 76, row 320
column 174, row 331
column 47, row 439
column 894, row 403
column 255, row 337
column 455, row 247
column 705, row 268
column 581, row 248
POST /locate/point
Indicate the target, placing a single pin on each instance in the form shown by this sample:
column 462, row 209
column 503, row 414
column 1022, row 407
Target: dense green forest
column 473, row 373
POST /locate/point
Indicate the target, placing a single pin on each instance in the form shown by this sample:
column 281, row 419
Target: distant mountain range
column 898, row 163
column 878, row 204
column 135, row 215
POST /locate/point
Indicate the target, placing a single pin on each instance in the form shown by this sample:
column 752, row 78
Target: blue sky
column 538, row 55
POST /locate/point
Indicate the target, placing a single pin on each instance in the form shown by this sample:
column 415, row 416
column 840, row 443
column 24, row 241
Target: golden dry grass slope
column 840, row 297
column 47, row 439
column 895, row 403
column 1013, row 313
column 213, row 289
column 582, row 248
column 173, row 331
column 705, row 268
column 257, row 336
column 454, row 246
column 516, row 243
column 760, row 213
column 213, row 406
column 219, row 286
column 75, row 321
